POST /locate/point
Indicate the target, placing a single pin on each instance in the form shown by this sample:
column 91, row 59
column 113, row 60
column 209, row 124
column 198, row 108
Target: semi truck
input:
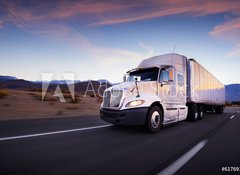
column 162, row 90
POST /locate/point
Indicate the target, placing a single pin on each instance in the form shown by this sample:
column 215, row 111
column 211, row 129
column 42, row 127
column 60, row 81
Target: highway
column 88, row 145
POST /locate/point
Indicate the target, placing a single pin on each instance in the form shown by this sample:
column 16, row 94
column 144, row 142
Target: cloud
column 43, row 18
column 75, row 40
column 234, row 53
column 150, row 50
column 156, row 9
column 62, row 10
column 65, row 10
column 111, row 56
column 51, row 20
column 229, row 30
column 98, row 13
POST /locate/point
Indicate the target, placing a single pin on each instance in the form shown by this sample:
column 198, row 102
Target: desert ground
column 24, row 104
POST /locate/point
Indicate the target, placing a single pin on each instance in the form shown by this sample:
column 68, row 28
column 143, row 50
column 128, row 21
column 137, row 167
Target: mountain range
column 8, row 82
column 232, row 91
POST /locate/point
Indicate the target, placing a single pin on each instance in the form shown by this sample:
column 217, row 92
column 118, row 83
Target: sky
column 103, row 39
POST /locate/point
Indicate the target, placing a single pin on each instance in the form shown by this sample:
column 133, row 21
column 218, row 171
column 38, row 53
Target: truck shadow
column 143, row 129
column 166, row 128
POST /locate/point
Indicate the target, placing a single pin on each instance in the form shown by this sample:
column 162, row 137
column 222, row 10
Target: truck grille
column 112, row 98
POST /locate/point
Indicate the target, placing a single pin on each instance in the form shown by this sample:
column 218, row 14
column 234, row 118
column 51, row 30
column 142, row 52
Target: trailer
column 205, row 92
column 162, row 90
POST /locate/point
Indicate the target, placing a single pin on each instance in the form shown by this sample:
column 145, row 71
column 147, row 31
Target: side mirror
column 165, row 78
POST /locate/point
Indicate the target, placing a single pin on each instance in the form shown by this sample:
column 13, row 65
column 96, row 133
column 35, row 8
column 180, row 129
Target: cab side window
column 164, row 76
column 180, row 80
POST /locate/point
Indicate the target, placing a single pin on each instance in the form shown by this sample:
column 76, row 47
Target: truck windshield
column 150, row 74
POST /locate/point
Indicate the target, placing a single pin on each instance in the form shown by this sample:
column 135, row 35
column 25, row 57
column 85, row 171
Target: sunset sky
column 103, row 39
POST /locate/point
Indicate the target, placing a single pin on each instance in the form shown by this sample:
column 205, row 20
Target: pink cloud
column 141, row 16
column 229, row 30
column 61, row 10
column 44, row 16
column 229, row 26
column 66, row 10
column 172, row 7
column 103, row 12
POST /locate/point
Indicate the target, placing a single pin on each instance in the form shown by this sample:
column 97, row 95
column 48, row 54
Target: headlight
column 134, row 103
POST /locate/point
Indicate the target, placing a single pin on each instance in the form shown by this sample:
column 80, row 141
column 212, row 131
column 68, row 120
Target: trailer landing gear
column 195, row 112
column 219, row 109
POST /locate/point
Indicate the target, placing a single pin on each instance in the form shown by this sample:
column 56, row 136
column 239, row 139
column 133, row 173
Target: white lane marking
column 175, row 166
column 51, row 133
column 232, row 116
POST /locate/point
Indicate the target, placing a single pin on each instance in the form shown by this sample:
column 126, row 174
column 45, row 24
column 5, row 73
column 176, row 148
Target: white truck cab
column 153, row 94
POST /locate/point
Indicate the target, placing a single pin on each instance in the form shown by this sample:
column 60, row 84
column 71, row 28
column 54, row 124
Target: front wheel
column 154, row 119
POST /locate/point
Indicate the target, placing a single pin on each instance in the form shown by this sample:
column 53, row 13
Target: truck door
column 181, row 96
column 167, row 93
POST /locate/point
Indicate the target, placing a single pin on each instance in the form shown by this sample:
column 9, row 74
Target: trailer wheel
column 219, row 109
column 193, row 112
column 201, row 112
column 154, row 119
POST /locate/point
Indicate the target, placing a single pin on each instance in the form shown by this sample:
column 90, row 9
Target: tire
column 193, row 112
column 154, row 119
column 219, row 109
column 201, row 112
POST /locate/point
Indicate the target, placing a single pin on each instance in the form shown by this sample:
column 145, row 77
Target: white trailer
column 161, row 90
column 205, row 92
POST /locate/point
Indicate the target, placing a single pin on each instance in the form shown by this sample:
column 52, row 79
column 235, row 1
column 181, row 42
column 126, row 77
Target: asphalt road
column 79, row 146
